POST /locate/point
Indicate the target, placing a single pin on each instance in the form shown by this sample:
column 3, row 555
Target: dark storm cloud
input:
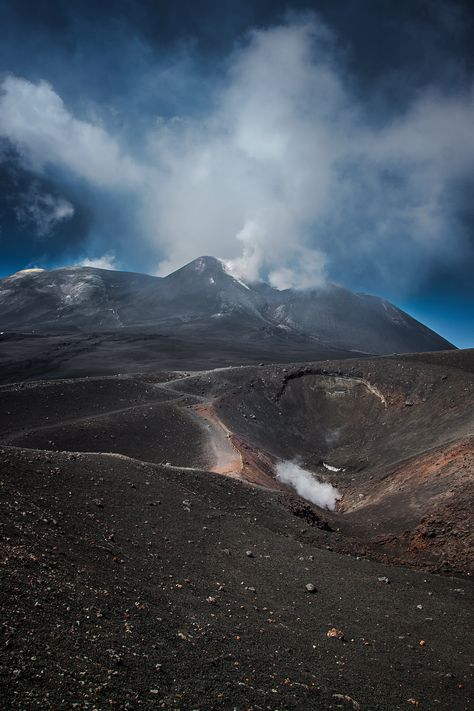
column 335, row 145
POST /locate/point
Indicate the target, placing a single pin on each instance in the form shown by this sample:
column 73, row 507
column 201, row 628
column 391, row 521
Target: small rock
column 310, row 588
column 336, row 634
column 249, row 554
column 383, row 579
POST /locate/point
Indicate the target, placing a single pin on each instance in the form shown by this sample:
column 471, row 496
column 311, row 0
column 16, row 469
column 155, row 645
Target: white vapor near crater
column 306, row 485
column 286, row 173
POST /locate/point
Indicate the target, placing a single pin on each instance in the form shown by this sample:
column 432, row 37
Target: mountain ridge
column 203, row 297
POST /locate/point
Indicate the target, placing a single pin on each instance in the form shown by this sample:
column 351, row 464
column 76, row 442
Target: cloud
column 287, row 175
column 253, row 175
column 34, row 118
column 291, row 171
column 106, row 261
column 308, row 273
column 43, row 210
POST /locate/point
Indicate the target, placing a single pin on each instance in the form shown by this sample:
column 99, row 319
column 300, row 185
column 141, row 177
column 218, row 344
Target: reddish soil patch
column 234, row 456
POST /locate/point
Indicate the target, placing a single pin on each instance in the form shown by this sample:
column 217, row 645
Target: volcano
column 153, row 555
column 199, row 316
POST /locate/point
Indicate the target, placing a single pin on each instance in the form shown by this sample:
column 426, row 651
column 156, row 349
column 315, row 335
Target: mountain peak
column 207, row 262
column 214, row 264
column 203, row 264
column 212, row 269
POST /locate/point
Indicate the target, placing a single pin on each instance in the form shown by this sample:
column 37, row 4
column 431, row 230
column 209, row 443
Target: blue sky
column 305, row 142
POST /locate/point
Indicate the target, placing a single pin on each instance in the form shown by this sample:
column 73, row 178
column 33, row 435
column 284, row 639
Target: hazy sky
column 304, row 141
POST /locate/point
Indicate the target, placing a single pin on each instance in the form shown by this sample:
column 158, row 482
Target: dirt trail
column 228, row 459
column 234, row 457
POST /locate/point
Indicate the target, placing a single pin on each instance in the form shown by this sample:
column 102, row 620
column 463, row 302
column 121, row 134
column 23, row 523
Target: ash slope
column 126, row 558
column 204, row 301
column 128, row 586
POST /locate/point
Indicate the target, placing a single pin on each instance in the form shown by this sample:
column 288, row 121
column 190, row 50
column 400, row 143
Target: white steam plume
column 306, row 485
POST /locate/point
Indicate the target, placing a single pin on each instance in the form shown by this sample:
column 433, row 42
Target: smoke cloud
column 286, row 175
column 306, row 485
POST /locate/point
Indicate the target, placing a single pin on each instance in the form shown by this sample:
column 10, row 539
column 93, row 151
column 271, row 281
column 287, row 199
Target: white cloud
column 289, row 164
column 43, row 210
column 106, row 261
column 286, row 172
column 258, row 170
column 36, row 120
column 308, row 272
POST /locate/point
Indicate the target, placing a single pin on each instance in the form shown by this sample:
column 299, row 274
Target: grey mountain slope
column 203, row 300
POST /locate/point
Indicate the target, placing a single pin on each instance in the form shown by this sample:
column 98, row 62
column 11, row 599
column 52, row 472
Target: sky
column 302, row 142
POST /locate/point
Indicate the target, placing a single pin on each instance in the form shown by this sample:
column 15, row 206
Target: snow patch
column 26, row 272
column 200, row 265
column 331, row 468
column 239, row 281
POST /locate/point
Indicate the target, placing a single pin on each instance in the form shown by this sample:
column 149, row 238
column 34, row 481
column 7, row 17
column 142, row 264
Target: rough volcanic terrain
column 151, row 559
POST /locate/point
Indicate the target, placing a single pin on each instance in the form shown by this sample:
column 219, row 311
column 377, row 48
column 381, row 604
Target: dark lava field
column 152, row 560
